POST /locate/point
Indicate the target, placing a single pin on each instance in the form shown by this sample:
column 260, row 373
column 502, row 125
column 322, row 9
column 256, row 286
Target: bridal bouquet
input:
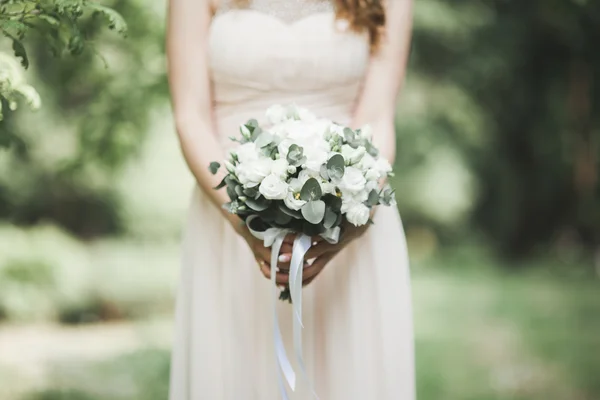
column 304, row 175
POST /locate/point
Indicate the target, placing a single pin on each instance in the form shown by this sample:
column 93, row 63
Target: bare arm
column 385, row 77
column 187, row 36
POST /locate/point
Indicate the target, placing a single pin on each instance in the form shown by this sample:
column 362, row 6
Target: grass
column 480, row 335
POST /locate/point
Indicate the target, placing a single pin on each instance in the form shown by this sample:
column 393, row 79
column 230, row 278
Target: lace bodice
column 285, row 10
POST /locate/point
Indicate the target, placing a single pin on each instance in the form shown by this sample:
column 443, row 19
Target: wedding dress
column 358, row 335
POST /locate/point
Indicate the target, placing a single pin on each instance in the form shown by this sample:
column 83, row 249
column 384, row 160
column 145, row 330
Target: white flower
column 366, row 163
column 272, row 187
column 315, row 157
column 353, row 180
column 252, row 173
column 366, row 132
column 352, row 155
column 305, row 115
column 372, row 175
column 292, row 202
column 245, row 131
column 337, row 129
column 246, row 152
column 371, row 185
column 230, row 167
column 328, row 187
column 280, row 168
column 276, row 114
column 382, row 166
column 358, row 214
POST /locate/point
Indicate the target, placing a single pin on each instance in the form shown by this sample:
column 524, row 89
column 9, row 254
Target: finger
column 281, row 278
column 289, row 239
column 286, row 248
column 320, row 249
column 316, row 267
column 315, row 240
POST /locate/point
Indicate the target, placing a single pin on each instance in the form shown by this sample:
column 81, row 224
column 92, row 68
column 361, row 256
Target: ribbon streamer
column 273, row 237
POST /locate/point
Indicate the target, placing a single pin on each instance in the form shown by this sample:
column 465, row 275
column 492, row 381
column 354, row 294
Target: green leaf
column 251, row 192
column 292, row 213
column 333, row 202
column 312, row 229
column 20, row 52
column 336, row 167
column 311, row 190
column 222, row 184
column 295, row 155
column 330, row 218
column 259, row 204
column 214, row 167
column 373, row 198
column 264, row 140
column 256, row 133
column 314, row 211
column 282, row 218
column 115, row 20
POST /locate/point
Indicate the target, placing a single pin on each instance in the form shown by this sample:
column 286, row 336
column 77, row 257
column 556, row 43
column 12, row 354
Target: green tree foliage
column 511, row 90
column 94, row 115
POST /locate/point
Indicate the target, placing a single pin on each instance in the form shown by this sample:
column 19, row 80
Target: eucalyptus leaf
column 258, row 204
column 333, row 202
column 314, row 211
column 295, row 155
column 292, row 213
column 373, row 198
column 256, row 133
column 281, row 218
column 214, row 167
column 330, row 218
column 336, row 167
column 311, row 190
column 323, row 172
column 264, row 140
column 312, row 229
column 252, row 192
column 222, row 184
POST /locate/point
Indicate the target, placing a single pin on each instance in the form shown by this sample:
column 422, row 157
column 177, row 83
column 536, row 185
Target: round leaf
column 314, row 211
column 336, row 167
column 311, row 190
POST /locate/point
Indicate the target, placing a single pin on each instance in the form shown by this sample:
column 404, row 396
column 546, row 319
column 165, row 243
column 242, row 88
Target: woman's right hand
column 262, row 254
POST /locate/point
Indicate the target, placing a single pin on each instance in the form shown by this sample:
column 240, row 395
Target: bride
column 344, row 60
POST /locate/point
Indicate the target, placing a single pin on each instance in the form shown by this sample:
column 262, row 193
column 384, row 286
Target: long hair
column 363, row 15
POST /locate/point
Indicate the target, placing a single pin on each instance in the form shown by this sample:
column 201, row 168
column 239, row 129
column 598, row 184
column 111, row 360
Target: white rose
column 366, row 163
column 280, row 168
column 328, row 187
column 358, row 214
column 252, row 173
column 352, row 155
column 337, row 129
column 305, row 115
column 315, row 157
column 292, row 202
column 353, row 180
column 276, row 114
column 246, row 152
column 273, row 188
column 372, row 175
column 366, row 132
column 383, row 166
column 371, row 185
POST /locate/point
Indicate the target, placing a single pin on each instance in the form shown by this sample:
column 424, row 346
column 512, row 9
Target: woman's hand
column 262, row 254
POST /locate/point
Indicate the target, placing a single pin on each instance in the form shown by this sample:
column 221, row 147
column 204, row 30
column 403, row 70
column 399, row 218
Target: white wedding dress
column 358, row 335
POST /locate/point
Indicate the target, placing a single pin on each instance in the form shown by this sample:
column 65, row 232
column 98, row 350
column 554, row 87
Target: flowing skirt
column 358, row 335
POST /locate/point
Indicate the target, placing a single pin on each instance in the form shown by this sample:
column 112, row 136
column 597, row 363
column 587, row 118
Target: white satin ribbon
column 273, row 237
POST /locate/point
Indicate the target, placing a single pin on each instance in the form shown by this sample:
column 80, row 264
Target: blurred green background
column 497, row 180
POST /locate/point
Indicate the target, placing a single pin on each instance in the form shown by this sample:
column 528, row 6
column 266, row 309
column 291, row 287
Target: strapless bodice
column 258, row 58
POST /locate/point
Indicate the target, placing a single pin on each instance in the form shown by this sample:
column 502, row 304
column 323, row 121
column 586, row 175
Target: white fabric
column 358, row 335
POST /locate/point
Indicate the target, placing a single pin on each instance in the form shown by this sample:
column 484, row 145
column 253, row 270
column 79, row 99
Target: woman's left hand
column 324, row 251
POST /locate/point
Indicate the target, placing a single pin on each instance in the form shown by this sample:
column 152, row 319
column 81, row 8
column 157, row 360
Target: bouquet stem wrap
column 274, row 237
